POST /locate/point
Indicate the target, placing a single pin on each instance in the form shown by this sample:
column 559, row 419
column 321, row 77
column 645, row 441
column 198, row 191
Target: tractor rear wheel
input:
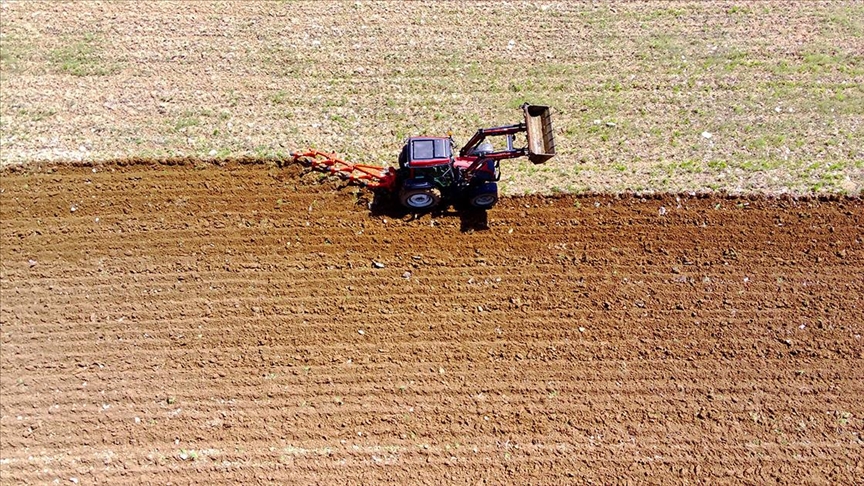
column 420, row 198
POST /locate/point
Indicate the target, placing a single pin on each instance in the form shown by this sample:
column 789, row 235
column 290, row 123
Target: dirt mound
column 248, row 323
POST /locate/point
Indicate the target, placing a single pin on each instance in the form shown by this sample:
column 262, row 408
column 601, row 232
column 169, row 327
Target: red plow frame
column 372, row 176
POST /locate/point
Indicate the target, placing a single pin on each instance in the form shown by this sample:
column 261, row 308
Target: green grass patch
column 81, row 58
column 739, row 10
column 847, row 20
column 826, row 59
column 717, row 165
column 14, row 52
column 733, row 60
column 533, row 98
column 186, row 122
column 758, row 165
column 38, row 114
column 665, row 46
column 278, row 97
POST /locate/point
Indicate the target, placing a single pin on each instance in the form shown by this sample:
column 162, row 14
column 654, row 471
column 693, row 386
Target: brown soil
column 201, row 324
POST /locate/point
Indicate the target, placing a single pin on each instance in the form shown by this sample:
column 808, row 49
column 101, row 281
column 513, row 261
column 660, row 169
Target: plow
column 431, row 173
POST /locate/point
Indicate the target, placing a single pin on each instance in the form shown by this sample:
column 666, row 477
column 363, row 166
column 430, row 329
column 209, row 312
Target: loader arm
column 481, row 134
column 479, row 161
column 540, row 136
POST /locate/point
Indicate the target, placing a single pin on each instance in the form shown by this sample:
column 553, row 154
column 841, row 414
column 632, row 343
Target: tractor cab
column 421, row 152
column 425, row 171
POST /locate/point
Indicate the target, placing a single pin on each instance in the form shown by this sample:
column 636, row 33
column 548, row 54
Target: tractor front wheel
column 484, row 201
column 484, row 196
column 420, row 199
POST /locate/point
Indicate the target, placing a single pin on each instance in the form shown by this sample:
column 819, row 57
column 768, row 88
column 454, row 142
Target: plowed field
column 254, row 324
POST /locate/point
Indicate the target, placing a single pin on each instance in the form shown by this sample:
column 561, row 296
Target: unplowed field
column 665, row 95
column 249, row 323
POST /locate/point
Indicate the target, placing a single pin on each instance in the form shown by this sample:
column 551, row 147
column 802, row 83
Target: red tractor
column 430, row 174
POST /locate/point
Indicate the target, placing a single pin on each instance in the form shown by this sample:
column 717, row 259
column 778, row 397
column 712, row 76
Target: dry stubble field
column 777, row 85
column 209, row 321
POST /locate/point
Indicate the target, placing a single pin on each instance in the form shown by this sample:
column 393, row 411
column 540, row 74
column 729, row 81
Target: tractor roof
column 428, row 151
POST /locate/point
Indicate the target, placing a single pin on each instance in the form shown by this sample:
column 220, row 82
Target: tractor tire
column 484, row 197
column 420, row 199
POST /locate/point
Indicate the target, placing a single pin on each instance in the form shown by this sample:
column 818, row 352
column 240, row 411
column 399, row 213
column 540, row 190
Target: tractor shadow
column 470, row 219
column 473, row 219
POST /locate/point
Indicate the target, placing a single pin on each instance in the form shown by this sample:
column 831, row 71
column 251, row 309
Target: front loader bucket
column 541, row 139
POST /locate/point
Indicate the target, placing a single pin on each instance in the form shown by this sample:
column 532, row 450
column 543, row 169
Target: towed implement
column 431, row 173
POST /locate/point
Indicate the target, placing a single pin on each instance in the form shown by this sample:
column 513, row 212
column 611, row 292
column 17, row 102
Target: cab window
column 429, row 149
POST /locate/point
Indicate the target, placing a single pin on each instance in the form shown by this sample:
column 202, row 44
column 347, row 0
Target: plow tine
column 366, row 175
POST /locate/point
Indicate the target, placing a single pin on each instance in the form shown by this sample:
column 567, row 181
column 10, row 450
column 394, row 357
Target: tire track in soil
column 207, row 328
